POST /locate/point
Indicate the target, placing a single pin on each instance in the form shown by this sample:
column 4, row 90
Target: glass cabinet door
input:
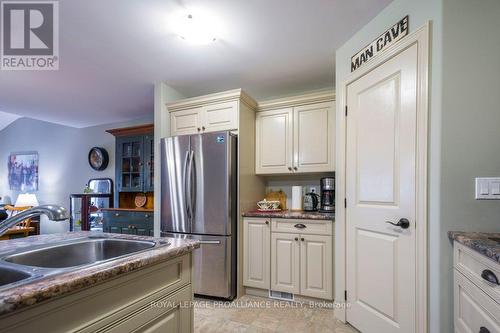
column 130, row 154
column 149, row 166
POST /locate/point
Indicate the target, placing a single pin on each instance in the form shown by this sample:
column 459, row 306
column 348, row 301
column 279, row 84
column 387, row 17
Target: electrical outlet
column 488, row 188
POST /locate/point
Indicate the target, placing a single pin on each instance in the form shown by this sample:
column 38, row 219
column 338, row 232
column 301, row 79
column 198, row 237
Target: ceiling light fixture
column 196, row 30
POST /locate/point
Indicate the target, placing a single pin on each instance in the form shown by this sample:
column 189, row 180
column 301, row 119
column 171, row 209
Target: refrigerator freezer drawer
column 214, row 265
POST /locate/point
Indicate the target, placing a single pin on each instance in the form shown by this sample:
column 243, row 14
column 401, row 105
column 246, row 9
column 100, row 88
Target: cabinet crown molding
column 134, row 130
column 297, row 100
column 225, row 96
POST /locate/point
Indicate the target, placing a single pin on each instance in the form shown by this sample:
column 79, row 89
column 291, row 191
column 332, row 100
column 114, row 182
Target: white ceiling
column 111, row 51
column 7, row 118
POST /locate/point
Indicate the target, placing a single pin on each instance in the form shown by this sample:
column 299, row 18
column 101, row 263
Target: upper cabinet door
column 274, row 141
column 186, row 121
column 220, row 117
column 129, row 163
column 149, row 160
column 314, row 130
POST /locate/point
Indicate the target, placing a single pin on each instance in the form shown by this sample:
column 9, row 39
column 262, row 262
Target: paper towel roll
column 296, row 198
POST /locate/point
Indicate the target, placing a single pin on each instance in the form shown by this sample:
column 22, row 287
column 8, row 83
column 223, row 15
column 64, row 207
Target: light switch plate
column 488, row 188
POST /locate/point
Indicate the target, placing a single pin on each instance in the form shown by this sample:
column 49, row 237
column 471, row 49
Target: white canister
column 296, row 198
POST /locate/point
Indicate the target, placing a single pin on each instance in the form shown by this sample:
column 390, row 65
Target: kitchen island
column 142, row 291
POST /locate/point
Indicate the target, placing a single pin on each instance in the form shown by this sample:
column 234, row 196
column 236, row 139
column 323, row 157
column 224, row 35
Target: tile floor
column 261, row 315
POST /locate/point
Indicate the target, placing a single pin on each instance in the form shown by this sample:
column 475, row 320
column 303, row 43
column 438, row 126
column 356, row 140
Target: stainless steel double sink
column 26, row 265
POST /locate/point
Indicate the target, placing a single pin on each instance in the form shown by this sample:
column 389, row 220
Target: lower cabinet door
column 256, row 253
column 285, row 262
column 316, row 266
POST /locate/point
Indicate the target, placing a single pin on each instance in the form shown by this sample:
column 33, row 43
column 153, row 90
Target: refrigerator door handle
column 210, row 242
column 187, row 184
column 194, row 186
column 189, row 192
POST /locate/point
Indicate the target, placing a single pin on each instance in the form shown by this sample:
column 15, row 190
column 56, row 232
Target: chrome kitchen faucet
column 53, row 212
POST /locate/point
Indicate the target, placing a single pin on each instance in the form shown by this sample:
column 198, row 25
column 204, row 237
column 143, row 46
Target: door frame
column 420, row 37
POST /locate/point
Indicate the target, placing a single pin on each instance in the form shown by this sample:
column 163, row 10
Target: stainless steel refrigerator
column 198, row 200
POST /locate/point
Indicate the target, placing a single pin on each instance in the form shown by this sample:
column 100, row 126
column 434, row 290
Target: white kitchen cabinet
column 314, row 127
column 289, row 255
column 285, row 262
column 274, row 141
column 476, row 300
column 186, row 121
column 148, row 300
column 299, row 138
column 206, row 118
column 220, row 117
column 316, row 266
column 256, row 253
column 302, row 257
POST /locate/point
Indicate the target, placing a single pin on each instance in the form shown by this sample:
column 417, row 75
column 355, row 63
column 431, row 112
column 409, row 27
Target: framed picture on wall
column 23, row 171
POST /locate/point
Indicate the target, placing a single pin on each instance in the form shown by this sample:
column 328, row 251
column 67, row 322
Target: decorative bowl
column 268, row 205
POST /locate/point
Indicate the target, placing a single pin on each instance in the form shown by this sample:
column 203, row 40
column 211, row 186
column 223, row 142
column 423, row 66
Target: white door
column 285, row 262
column 314, row 131
column 274, row 141
column 380, row 186
column 220, row 117
column 316, row 266
column 256, row 253
column 186, row 121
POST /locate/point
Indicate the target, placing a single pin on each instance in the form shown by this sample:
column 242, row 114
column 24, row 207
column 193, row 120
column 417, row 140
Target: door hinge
column 345, row 202
column 345, row 295
column 346, row 110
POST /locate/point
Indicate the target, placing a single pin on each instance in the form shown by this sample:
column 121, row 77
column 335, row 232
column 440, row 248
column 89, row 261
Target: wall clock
column 98, row 158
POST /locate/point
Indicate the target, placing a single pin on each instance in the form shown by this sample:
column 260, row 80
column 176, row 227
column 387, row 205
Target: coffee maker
column 327, row 195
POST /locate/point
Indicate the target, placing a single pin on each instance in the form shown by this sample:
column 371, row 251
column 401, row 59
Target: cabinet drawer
column 306, row 227
column 165, row 315
column 474, row 310
column 472, row 265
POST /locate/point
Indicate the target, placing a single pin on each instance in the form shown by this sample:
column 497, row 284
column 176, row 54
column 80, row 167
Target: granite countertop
column 481, row 242
column 288, row 214
column 61, row 283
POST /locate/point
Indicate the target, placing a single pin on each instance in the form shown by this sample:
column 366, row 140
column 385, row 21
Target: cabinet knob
column 302, row 239
column 267, row 222
column 117, row 214
column 199, row 129
column 296, row 238
column 203, row 127
column 146, row 216
column 295, row 168
column 300, row 226
column 290, row 168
